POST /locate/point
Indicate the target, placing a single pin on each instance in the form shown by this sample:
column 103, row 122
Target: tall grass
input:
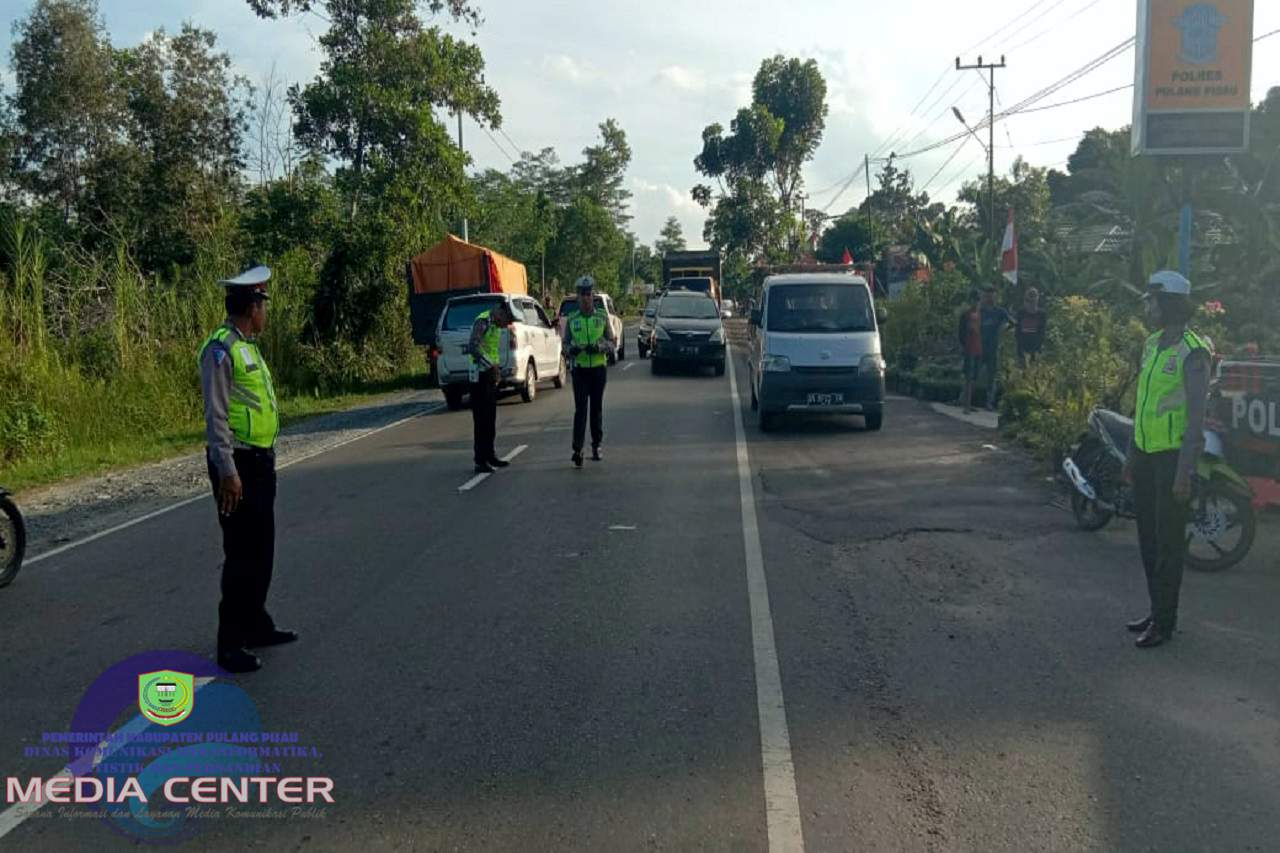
column 98, row 361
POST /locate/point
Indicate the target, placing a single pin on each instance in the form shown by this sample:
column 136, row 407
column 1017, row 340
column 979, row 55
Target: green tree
column 373, row 105
column 795, row 93
column 603, row 172
column 179, row 171
column 463, row 10
column 757, row 166
column 373, row 110
column 587, row 243
column 66, row 106
column 671, row 237
column 864, row 240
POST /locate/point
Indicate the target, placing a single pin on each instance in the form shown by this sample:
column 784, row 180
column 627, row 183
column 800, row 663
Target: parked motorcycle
column 1222, row 525
column 13, row 539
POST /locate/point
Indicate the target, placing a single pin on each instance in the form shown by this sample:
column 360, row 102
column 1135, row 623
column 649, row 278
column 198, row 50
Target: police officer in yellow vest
column 1168, row 440
column 588, row 343
column 485, row 347
column 241, row 425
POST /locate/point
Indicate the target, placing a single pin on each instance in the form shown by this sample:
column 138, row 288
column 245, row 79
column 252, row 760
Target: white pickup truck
column 530, row 347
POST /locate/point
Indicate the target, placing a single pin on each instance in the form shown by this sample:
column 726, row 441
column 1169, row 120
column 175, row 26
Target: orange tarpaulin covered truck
column 452, row 268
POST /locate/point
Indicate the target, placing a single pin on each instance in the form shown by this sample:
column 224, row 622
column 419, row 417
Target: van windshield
column 819, row 308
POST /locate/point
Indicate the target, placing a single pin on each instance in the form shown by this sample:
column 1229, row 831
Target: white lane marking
column 473, row 482
column 12, row 817
column 628, row 366
column 480, row 478
column 622, row 527
column 61, row 549
column 782, row 804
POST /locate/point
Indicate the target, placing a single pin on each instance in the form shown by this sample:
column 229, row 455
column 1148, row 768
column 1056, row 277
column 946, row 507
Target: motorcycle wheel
column 1092, row 457
column 1221, row 529
column 13, row 541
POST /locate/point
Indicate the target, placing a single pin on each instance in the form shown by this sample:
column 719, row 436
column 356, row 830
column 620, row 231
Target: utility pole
column 991, row 67
column 866, row 170
column 466, row 238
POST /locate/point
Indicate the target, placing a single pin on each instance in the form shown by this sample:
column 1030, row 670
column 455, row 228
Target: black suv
column 688, row 330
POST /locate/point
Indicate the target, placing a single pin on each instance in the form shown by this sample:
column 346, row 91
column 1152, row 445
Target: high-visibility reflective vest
column 490, row 343
column 1160, row 422
column 585, row 331
column 251, row 411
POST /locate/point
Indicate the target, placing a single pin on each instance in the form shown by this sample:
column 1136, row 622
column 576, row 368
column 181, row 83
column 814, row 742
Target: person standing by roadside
column 486, row 375
column 589, row 340
column 1168, row 438
column 241, row 425
column 1032, row 323
column 995, row 320
column 970, row 334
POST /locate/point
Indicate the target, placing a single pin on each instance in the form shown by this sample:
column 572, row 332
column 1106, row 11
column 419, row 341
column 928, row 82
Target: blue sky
column 665, row 69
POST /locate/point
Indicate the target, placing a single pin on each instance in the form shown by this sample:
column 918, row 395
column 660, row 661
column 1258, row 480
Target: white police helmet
column 1168, row 281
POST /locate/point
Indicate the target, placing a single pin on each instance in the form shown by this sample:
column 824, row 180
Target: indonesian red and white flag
column 1009, row 252
column 847, row 260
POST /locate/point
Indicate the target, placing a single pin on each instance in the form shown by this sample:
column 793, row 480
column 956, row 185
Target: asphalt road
column 562, row 659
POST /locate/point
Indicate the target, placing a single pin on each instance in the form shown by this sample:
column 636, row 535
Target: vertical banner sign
column 1194, row 71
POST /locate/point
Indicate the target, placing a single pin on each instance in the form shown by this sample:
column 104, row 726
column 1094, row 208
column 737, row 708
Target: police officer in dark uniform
column 1168, row 439
column 241, row 425
column 588, row 342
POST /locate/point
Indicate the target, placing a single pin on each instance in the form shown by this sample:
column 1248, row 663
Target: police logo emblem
column 166, row 697
column 1200, row 25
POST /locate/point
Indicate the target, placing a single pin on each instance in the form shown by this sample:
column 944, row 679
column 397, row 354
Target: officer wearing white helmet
column 241, row 425
column 1168, row 438
column 588, row 342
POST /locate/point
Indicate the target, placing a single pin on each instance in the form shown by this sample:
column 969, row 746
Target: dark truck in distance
column 693, row 270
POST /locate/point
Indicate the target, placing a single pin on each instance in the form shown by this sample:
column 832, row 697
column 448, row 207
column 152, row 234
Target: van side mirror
column 882, row 315
column 755, row 316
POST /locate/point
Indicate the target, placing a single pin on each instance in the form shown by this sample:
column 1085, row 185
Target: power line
column 1027, row 25
column 1056, row 26
column 1023, row 105
column 518, row 148
column 495, row 142
column 980, row 42
column 954, row 155
column 1080, row 100
column 959, row 174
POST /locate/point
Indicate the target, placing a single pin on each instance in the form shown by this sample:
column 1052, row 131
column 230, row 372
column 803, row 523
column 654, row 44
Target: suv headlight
column 775, row 364
column 871, row 365
column 717, row 337
column 661, row 334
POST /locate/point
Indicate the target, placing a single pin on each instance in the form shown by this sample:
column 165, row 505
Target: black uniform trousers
column 248, row 548
column 1162, row 531
column 484, row 417
column 588, row 394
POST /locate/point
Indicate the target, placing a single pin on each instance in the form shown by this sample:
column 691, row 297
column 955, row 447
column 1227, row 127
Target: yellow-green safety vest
column 586, row 331
column 490, row 343
column 251, row 411
column 1160, row 422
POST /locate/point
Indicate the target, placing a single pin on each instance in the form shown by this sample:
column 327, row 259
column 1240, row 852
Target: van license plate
column 826, row 399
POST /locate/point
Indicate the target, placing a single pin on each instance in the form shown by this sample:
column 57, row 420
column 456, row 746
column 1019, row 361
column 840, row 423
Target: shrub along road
column 565, row 659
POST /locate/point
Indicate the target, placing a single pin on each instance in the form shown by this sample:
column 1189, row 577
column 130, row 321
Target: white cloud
column 569, row 69
column 653, row 202
column 682, row 78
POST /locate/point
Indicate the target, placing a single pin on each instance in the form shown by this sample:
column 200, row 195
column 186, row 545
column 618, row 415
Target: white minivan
column 530, row 347
column 815, row 348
